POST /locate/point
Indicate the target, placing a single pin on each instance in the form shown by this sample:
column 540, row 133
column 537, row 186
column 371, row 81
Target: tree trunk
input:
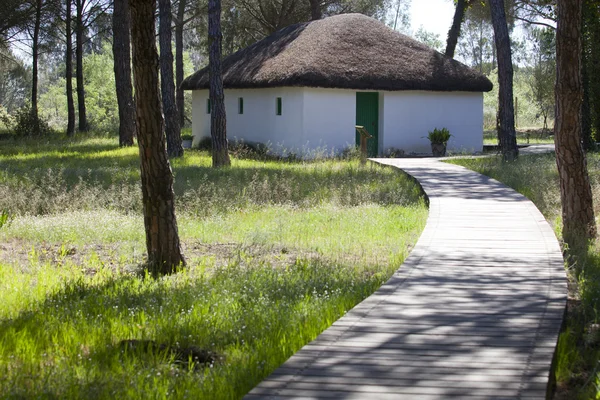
column 594, row 81
column 315, row 10
column 162, row 238
column 83, row 125
column 506, row 112
column 576, row 194
column 35, row 55
column 454, row 32
column 69, row 73
column 122, row 66
column 592, row 63
column 179, row 61
column 172, row 127
column 586, row 114
column 480, row 55
column 218, row 121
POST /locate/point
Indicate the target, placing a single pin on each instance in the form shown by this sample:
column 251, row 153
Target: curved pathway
column 473, row 313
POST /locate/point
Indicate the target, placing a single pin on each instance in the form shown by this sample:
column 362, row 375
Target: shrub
column 24, row 123
column 245, row 150
column 440, row 136
column 6, row 120
column 393, row 152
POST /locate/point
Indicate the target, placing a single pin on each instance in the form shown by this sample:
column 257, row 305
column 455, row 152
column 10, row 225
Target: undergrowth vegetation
column 525, row 136
column 276, row 252
column 45, row 178
column 578, row 353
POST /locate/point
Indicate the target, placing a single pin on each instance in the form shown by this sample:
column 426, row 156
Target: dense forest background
column 89, row 26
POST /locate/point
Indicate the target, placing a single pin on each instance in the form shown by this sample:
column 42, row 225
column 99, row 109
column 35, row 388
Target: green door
column 367, row 115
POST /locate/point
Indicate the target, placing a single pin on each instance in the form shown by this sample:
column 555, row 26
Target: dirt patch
column 129, row 256
column 23, row 253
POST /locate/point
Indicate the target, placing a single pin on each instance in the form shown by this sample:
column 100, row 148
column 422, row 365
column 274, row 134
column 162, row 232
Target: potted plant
column 439, row 139
column 186, row 140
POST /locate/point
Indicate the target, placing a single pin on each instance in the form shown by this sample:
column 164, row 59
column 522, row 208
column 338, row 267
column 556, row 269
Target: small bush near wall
column 242, row 149
column 393, row 152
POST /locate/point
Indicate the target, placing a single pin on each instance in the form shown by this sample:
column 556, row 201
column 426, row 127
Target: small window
column 240, row 105
column 279, row 106
column 208, row 106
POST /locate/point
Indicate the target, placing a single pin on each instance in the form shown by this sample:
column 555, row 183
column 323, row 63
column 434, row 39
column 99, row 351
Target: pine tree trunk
column 172, row 127
column 122, row 66
column 179, row 61
column 592, row 18
column 454, row 32
column 83, row 125
column 35, row 55
column 586, row 115
column 69, row 72
column 162, row 238
column 315, row 10
column 506, row 111
column 480, row 55
column 576, row 195
column 218, row 121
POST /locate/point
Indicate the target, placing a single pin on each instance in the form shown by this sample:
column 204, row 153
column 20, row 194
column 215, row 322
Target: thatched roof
column 349, row 51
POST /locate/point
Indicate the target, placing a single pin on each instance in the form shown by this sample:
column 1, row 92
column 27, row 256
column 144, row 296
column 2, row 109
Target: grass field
column 276, row 252
column 578, row 356
column 524, row 136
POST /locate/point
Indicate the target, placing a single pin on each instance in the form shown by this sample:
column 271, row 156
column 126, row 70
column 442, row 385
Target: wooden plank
column 312, row 395
column 405, row 329
column 421, row 378
column 474, row 312
column 501, row 367
column 315, row 391
column 433, row 357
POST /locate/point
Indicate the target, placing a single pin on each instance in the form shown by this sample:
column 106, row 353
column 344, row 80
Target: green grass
column 276, row 252
column 578, row 351
column 524, row 136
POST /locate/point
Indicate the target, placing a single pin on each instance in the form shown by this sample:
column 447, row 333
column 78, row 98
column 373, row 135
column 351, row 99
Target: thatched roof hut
column 348, row 51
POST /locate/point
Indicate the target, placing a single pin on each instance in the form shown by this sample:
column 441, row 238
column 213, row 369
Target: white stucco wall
column 329, row 119
column 200, row 120
column 315, row 118
column 410, row 115
column 259, row 123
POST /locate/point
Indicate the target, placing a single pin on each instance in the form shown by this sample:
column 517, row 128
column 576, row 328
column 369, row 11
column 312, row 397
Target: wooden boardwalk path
column 473, row 313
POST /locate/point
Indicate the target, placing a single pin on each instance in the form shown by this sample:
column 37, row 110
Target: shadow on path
column 474, row 312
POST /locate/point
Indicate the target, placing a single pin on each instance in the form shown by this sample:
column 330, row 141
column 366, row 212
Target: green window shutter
column 208, row 106
column 279, row 106
column 240, row 105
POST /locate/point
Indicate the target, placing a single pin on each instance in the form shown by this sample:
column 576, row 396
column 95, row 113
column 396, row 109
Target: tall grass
column 276, row 252
column 85, row 175
column 578, row 352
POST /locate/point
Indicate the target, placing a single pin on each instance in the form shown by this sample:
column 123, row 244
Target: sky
column 435, row 16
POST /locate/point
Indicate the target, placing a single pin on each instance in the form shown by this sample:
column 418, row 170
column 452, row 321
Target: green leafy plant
column 5, row 218
column 25, row 123
column 439, row 136
column 6, row 120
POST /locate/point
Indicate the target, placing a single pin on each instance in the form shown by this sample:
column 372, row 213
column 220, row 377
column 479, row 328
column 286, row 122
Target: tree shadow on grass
column 458, row 331
column 200, row 188
column 243, row 312
column 102, row 169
